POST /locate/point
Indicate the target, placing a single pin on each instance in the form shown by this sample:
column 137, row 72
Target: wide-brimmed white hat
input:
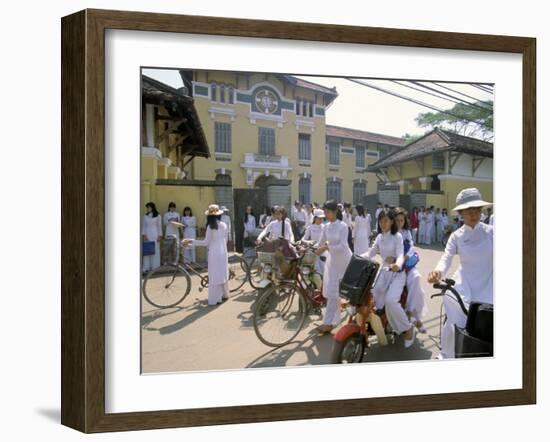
column 213, row 209
column 224, row 209
column 470, row 198
column 319, row 213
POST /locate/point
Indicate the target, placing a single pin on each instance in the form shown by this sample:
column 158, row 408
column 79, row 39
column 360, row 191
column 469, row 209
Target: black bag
column 476, row 339
column 358, row 279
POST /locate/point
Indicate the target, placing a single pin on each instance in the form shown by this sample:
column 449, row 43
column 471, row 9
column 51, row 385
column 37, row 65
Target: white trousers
column 455, row 316
column 387, row 291
column 151, row 262
column 332, row 312
column 416, row 304
column 216, row 292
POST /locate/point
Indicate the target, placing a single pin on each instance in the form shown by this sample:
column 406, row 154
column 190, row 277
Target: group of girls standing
column 154, row 228
column 429, row 224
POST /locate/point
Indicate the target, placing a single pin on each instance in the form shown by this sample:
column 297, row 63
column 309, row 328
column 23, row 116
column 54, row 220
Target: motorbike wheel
column 349, row 351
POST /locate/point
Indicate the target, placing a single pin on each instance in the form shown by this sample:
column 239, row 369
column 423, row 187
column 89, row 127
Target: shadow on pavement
column 199, row 309
column 315, row 348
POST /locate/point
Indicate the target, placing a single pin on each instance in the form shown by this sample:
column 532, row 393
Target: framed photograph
column 260, row 221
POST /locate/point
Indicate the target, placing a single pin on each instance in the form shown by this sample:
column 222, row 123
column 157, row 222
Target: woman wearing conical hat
column 473, row 243
column 216, row 241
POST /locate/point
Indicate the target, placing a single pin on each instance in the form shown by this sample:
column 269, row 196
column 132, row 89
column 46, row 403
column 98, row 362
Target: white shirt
column 347, row 218
column 313, row 233
column 406, row 234
column 474, row 277
column 250, row 224
column 300, row 215
column 227, row 220
column 387, row 245
column 171, row 229
column 339, row 254
column 274, row 229
column 492, row 220
column 151, row 227
column 264, row 220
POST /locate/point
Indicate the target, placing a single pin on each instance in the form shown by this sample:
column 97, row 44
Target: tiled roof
column 154, row 91
column 310, row 85
column 355, row 134
column 436, row 141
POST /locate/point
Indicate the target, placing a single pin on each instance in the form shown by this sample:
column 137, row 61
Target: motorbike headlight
column 351, row 310
column 267, row 268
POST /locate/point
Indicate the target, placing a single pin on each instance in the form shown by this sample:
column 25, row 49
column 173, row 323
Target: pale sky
column 363, row 108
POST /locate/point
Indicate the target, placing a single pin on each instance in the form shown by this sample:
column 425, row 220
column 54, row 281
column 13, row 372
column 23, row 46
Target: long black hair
column 186, row 209
column 245, row 218
column 212, row 221
column 360, row 210
column 153, row 208
column 333, row 207
column 391, row 215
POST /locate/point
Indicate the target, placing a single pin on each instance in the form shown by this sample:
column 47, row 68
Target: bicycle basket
column 285, row 268
column 265, row 257
column 309, row 258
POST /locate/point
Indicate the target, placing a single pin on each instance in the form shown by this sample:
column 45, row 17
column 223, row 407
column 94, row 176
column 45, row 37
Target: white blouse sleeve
column 206, row 241
column 143, row 225
column 159, row 226
column 307, row 235
column 446, row 260
column 399, row 255
column 266, row 230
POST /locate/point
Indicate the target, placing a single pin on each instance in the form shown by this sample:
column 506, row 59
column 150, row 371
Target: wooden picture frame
column 83, row 236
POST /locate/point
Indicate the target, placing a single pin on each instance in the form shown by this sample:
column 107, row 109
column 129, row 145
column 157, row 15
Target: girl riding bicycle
column 389, row 286
column 473, row 243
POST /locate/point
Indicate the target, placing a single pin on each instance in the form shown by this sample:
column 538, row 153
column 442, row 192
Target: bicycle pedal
column 200, row 289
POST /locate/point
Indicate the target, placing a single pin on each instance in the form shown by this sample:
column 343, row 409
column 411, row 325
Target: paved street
column 195, row 336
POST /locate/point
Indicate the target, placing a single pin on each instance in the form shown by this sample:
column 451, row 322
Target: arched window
column 304, row 190
column 222, row 94
column 334, row 191
column 213, row 92
column 223, row 178
column 359, row 191
column 230, row 95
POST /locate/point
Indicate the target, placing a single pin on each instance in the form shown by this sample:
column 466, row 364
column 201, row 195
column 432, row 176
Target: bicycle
column 168, row 285
column 281, row 310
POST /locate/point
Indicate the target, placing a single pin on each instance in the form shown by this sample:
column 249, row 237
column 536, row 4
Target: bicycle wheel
column 255, row 275
column 279, row 315
column 166, row 286
column 238, row 273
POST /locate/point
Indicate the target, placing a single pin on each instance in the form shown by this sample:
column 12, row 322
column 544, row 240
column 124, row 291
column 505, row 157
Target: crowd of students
column 338, row 234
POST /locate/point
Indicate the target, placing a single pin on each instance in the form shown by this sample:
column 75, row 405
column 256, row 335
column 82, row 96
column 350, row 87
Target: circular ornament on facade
column 266, row 101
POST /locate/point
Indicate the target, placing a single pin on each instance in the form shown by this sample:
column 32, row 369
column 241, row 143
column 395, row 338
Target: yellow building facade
column 433, row 170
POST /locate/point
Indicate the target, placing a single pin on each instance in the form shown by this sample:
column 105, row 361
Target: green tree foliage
column 462, row 119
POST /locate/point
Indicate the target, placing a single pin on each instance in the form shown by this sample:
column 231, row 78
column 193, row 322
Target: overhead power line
column 448, row 95
column 483, row 88
column 441, row 95
column 462, row 93
column 412, row 100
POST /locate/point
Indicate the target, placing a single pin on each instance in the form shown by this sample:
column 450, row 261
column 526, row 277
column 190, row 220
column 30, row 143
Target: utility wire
column 482, row 88
column 463, row 94
column 412, row 100
column 425, row 92
column 448, row 95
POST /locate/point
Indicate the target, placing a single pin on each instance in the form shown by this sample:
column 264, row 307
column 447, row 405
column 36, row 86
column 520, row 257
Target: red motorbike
column 364, row 319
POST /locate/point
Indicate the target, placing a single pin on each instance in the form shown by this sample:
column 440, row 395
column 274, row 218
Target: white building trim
column 213, row 111
column 151, row 152
column 464, row 178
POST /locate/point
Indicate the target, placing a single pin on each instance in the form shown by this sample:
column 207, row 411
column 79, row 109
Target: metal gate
column 257, row 199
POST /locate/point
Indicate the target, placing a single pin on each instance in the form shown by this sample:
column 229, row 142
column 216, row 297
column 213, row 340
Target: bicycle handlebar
column 448, row 284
